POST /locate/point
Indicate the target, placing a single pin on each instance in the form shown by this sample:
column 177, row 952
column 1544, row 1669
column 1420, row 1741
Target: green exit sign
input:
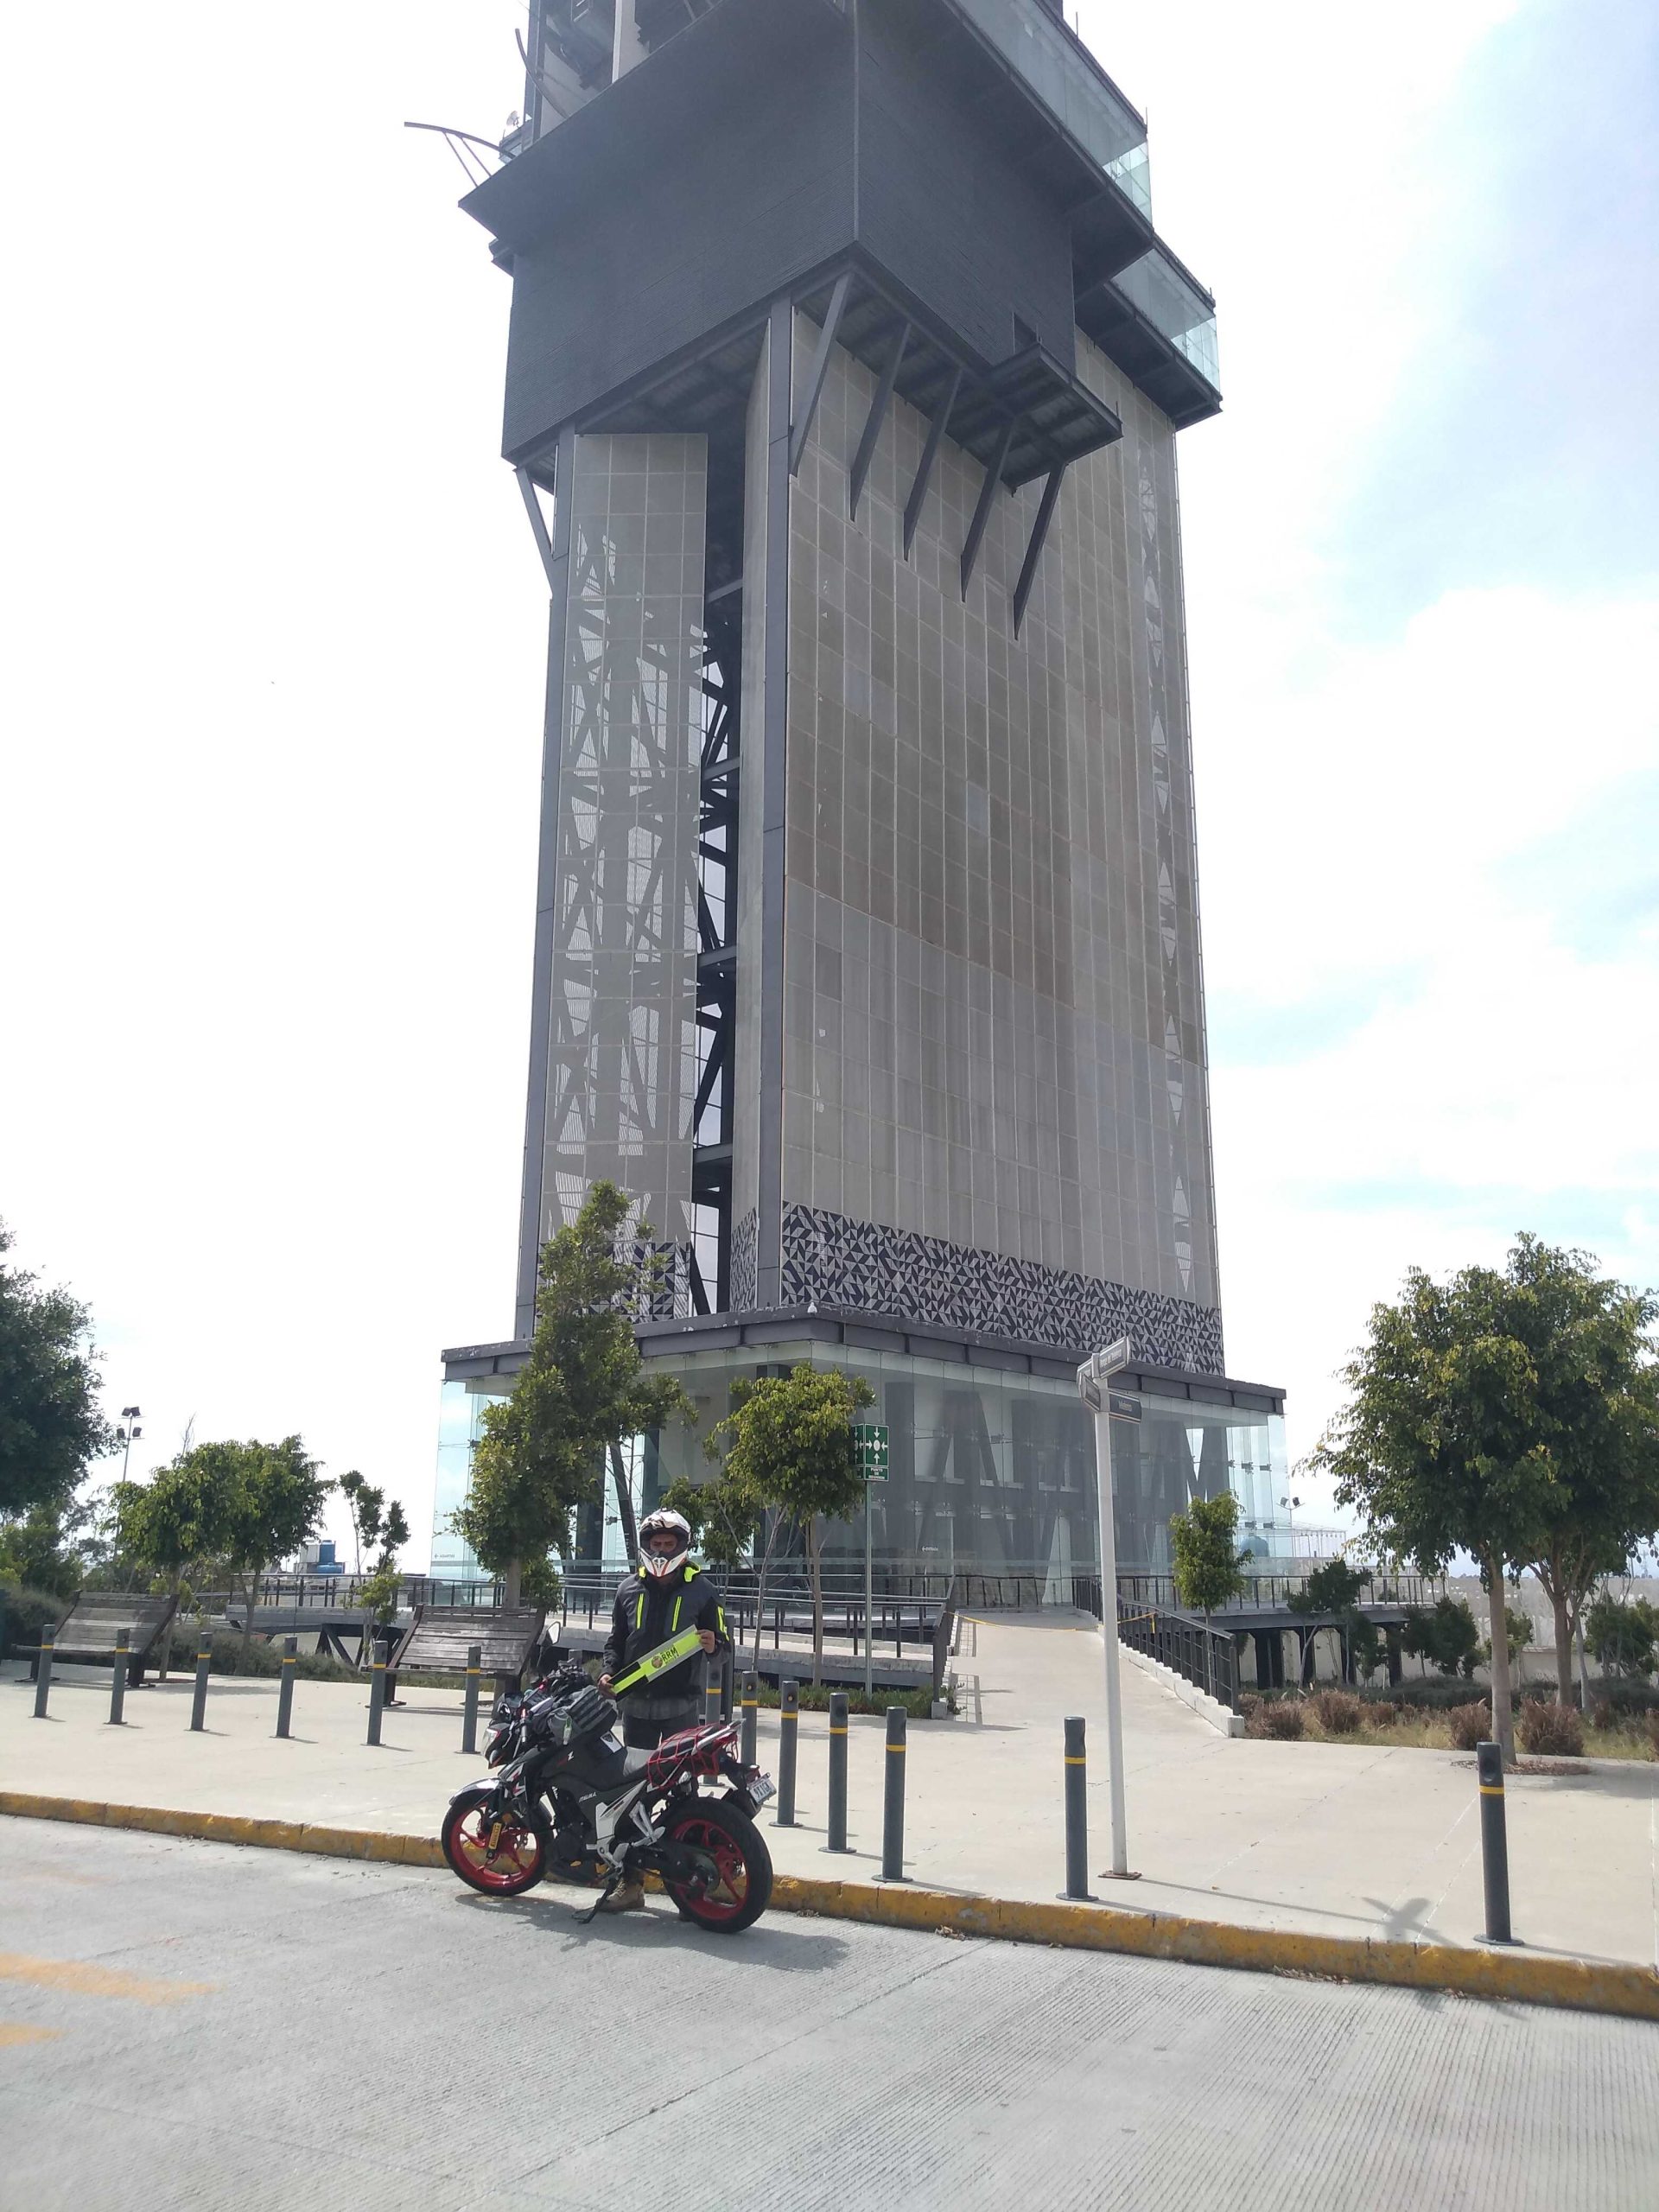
column 872, row 1453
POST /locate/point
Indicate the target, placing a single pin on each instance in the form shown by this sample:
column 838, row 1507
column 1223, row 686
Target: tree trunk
column 624, row 1505
column 815, row 1566
column 1503, row 1716
column 247, row 1621
column 512, row 1583
column 777, row 1521
column 165, row 1639
column 1563, row 1646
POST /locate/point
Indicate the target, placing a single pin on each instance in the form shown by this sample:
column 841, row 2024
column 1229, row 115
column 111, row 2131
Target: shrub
column 1382, row 1714
column 1653, row 1732
column 23, row 1613
column 1339, row 1711
column 1469, row 1724
column 1249, row 1703
column 1554, row 1730
column 1622, row 1634
column 1447, row 1637
column 1282, row 1721
column 1602, row 1714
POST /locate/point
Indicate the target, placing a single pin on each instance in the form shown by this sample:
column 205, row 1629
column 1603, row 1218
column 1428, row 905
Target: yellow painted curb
column 1579, row 1985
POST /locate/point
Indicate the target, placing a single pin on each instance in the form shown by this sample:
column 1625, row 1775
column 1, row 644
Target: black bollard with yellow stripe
column 469, row 1706
column 893, row 1806
column 789, row 1719
column 751, row 1720
column 118, row 1678
column 837, row 1770
column 1493, row 1842
column 377, row 1693
column 285, row 1688
column 1076, row 1811
column 199, row 1701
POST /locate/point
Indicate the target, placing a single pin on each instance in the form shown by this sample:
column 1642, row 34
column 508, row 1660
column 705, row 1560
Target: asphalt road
column 191, row 2024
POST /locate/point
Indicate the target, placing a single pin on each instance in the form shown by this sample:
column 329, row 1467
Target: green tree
column 171, row 1525
column 275, row 1503
column 51, row 1423
column 1520, row 1636
column 1596, row 1393
column 38, row 1549
column 788, row 1443
column 1206, row 1562
column 582, row 1388
column 1447, row 1637
column 363, row 1506
column 1621, row 1635
column 1447, row 1443
column 723, row 1515
column 379, row 1595
column 1332, row 1588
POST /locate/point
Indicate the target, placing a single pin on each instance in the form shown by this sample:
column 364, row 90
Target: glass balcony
column 1175, row 307
column 1070, row 83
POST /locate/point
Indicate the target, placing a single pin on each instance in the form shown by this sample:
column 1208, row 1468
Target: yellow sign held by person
column 651, row 1664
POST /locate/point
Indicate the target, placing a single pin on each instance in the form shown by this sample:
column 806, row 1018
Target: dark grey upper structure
column 844, row 375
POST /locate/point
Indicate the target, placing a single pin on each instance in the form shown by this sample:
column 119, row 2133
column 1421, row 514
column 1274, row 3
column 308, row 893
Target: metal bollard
column 710, row 1693
column 199, row 1702
column 893, row 1809
column 469, row 1710
column 751, row 1720
column 1077, row 1813
column 789, row 1719
column 726, row 1681
column 43, row 1671
column 118, row 1678
column 837, row 1771
column 1494, row 1843
column 285, row 1687
column 377, row 1698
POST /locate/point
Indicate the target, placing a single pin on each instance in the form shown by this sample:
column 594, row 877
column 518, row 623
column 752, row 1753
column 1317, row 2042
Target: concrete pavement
column 185, row 2024
column 1326, row 1838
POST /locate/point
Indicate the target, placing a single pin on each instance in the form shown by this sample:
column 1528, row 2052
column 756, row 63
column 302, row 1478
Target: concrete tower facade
column 845, row 372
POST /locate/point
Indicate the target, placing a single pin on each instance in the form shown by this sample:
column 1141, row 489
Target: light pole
column 1094, row 1380
column 128, row 1414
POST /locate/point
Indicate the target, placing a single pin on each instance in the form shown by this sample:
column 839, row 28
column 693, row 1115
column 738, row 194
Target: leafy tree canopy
column 583, row 1388
column 1478, row 1409
column 1447, row 1636
column 1206, row 1563
column 51, row 1423
column 1332, row 1588
column 723, row 1515
column 1622, row 1634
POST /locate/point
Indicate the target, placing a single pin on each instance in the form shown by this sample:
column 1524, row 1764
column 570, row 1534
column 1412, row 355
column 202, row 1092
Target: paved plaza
column 1328, row 1838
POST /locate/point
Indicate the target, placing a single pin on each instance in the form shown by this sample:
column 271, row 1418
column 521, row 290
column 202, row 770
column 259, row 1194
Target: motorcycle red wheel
column 739, row 1878
column 515, row 1866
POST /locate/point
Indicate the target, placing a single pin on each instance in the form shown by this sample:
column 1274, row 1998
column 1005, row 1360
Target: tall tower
column 844, row 381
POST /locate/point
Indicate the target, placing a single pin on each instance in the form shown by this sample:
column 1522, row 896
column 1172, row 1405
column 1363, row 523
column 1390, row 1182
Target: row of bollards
column 893, row 1797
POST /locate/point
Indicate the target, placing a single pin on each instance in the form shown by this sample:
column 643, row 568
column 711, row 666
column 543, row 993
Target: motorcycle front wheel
column 514, row 1866
column 732, row 1885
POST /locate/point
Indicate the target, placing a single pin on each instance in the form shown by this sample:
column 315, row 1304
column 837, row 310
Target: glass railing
column 1058, row 68
column 1175, row 307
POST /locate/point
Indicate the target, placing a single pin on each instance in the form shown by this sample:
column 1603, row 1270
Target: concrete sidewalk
column 1315, row 1839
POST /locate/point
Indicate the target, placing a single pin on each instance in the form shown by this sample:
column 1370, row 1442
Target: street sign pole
column 873, row 1461
column 1094, row 1383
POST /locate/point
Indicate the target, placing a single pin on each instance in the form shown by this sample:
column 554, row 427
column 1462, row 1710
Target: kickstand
column 583, row 1919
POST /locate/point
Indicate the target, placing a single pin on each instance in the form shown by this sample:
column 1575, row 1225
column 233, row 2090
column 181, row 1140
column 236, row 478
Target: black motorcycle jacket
column 648, row 1611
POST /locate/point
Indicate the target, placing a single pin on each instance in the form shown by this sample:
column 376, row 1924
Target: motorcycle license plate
column 761, row 1788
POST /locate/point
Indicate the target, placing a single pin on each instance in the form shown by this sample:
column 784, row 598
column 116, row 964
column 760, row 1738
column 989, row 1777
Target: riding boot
column 631, row 1897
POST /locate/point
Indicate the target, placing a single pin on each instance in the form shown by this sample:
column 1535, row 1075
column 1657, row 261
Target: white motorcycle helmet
column 663, row 1522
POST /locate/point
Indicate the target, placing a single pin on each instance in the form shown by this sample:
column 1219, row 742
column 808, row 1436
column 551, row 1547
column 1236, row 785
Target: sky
column 273, row 650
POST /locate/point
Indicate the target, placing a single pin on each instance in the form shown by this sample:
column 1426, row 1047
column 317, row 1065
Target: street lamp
column 128, row 1414
column 1094, row 1384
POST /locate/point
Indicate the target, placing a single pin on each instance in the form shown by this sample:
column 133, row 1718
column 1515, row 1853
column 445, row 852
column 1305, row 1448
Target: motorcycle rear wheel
column 517, row 1863
column 740, row 1888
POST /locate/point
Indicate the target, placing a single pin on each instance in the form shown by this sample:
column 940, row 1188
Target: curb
column 1577, row 1984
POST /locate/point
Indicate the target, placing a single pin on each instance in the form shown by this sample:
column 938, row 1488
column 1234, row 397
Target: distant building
column 844, row 381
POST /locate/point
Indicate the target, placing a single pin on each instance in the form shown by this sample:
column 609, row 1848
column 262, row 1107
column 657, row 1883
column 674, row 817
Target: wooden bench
column 438, row 1639
column 87, row 1632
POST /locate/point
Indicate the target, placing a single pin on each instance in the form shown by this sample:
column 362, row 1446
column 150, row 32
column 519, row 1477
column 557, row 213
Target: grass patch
column 1623, row 1737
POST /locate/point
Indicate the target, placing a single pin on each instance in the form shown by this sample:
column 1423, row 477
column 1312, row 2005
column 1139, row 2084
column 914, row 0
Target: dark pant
column 643, row 1733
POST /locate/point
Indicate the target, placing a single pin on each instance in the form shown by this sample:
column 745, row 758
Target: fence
column 1208, row 1658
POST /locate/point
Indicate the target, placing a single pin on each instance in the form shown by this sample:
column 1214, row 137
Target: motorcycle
column 570, row 1801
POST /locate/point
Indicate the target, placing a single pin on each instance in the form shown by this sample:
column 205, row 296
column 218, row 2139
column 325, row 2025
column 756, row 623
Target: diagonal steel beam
column 935, row 430
column 1034, row 551
column 987, row 491
column 866, row 453
column 538, row 523
column 803, row 430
